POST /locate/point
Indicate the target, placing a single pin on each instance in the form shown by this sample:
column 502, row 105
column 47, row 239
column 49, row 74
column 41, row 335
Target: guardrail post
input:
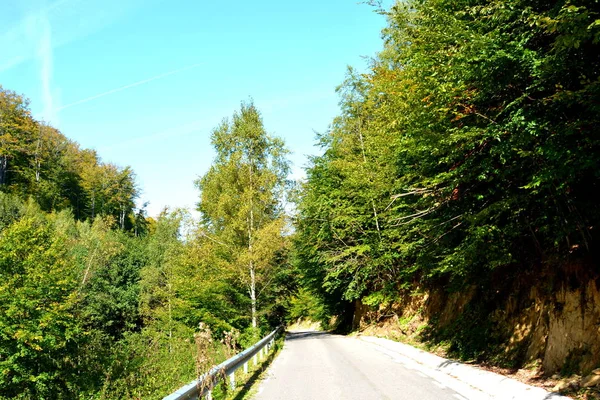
column 197, row 389
column 232, row 380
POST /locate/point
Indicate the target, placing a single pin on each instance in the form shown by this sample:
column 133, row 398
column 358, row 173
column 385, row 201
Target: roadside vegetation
column 463, row 171
column 100, row 301
column 459, row 181
column 469, row 148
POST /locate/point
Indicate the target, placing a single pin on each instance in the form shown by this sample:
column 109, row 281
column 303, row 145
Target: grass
column 247, row 384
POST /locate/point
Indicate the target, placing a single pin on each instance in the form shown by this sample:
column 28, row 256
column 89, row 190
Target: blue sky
column 145, row 81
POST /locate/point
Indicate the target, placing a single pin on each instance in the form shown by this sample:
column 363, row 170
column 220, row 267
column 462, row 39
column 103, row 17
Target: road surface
column 317, row 365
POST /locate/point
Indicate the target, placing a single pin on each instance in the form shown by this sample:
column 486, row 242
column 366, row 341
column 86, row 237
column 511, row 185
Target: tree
column 158, row 295
column 37, row 160
column 467, row 151
column 16, row 128
column 241, row 197
column 39, row 330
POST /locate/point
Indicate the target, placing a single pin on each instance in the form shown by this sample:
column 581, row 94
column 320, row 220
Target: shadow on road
column 447, row 363
column 304, row 335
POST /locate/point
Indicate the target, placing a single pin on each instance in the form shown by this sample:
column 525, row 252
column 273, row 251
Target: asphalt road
column 317, row 365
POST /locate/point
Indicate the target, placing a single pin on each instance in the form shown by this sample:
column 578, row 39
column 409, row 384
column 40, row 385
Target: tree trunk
column 364, row 154
column 253, row 294
column 37, row 161
column 93, row 204
column 122, row 217
column 3, row 169
column 252, row 271
column 38, row 166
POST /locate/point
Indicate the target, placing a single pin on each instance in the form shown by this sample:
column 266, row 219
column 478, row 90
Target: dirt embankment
column 539, row 328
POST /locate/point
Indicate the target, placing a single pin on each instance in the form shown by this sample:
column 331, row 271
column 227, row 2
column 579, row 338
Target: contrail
column 131, row 85
column 45, row 57
column 16, row 43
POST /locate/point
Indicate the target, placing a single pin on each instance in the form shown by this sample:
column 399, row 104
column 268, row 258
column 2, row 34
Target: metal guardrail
column 203, row 385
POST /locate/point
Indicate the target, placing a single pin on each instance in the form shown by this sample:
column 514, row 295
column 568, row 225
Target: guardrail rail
column 203, row 385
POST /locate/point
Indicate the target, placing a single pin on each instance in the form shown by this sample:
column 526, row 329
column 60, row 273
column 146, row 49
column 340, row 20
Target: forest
column 465, row 159
column 91, row 284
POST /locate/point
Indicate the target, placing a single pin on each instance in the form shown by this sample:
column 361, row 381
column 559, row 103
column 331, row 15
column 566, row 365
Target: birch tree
column 241, row 198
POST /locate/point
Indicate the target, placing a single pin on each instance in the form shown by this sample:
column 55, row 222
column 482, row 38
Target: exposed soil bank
column 550, row 321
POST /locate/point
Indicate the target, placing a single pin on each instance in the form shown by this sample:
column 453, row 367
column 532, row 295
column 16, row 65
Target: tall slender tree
column 241, row 198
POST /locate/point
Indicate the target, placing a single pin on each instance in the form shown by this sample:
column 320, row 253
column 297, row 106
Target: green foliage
column 150, row 364
column 250, row 336
column 469, row 146
column 468, row 149
column 305, row 306
column 241, row 207
column 80, row 297
column 99, row 301
column 111, row 297
column 39, row 332
column 37, row 161
column 11, row 208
